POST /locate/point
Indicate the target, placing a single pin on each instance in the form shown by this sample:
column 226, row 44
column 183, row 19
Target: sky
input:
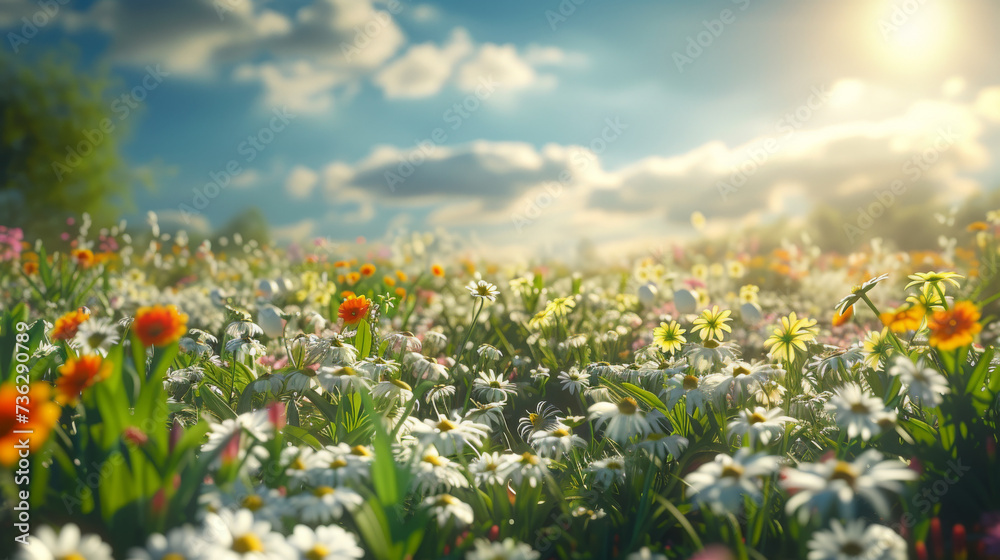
column 533, row 125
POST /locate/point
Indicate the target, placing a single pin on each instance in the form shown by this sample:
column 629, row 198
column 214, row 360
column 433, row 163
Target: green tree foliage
column 59, row 144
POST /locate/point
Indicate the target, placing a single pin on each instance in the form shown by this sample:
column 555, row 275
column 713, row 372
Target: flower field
column 168, row 399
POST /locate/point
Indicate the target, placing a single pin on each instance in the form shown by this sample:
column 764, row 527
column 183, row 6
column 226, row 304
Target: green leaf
column 646, row 397
column 215, row 403
column 363, row 340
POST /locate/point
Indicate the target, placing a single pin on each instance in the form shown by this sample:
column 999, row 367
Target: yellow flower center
column 560, row 432
column 446, row 425
column 298, row 465
column 757, row 418
column 435, row 460
column 446, row 500
column 859, row 408
column 711, row 343
column 628, row 406
column 173, row 556
column 317, row 552
column 844, row 471
column 360, row 451
column 321, row 491
column 528, row 458
column 253, row 502
column 401, row 384
column 690, row 382
column 740, row 370
column 72, row 556
column 246, row 543
column 732, row 471
column 338, row 464
column 852, row 549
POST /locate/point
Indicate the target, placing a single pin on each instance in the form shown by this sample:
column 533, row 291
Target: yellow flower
column 711, row 324
column 791, row 337
column 877, row 348
column 669, row 337
column 928, row 279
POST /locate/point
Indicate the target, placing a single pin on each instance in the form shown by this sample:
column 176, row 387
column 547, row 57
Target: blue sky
column 646, row 109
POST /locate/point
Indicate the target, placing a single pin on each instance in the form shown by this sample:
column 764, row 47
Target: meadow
column 165, row 398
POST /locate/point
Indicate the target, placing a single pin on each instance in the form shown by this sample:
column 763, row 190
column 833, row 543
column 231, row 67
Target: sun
column 914, row 33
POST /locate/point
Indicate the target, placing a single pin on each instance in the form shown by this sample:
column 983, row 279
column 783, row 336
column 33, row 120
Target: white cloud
column 301, row 182
column 501, row 63
column 301, row 86
column 424, row 69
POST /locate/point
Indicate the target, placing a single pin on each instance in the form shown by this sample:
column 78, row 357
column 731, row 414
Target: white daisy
column 181, row 542
column 689, row 387
column 760, row 424
column 445, row 508
column 490, row 469
column 817, row 486
column 393, row 391
column 624, row 419
column 855, row 541
column 434, row 473
column 723, row 483
column 857, row 411
column 449, row 435
column 574, row 381
column 662, row 446
column 493, row 387
column 324, row 543
column 238, row 535
column 527, row 467
column 96, row 336
column 508, row 549
column 483, row 290
column 607, row 471
column 555, row 441
column 46, row 544
column 923, row 384
column 324, row 504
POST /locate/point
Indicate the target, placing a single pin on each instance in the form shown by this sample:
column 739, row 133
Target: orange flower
column 955, row 327
column 401, row 292
column 389, row 280
column 840, row 319
column 353, row 278
column 367, row 269
column 29, row 267
column 79, row 373
column 437, row 270
column 66, row 325
column 42, row 415
column 83, row 257
column 159, row 325
column 346, row 294
column 401, row 275
column 341, row 264
column 902, row 320
column 354, row 309
column 977, row 226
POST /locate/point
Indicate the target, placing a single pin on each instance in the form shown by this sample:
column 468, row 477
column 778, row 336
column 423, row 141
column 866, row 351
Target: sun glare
column 914, row 33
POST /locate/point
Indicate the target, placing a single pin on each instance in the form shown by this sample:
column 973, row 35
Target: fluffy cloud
column 425, row 68
column 301, row 86
column 931, row 150
column 301, row 182
column 196, row 36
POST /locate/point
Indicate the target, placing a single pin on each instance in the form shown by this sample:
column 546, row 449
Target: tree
column 59, row 145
